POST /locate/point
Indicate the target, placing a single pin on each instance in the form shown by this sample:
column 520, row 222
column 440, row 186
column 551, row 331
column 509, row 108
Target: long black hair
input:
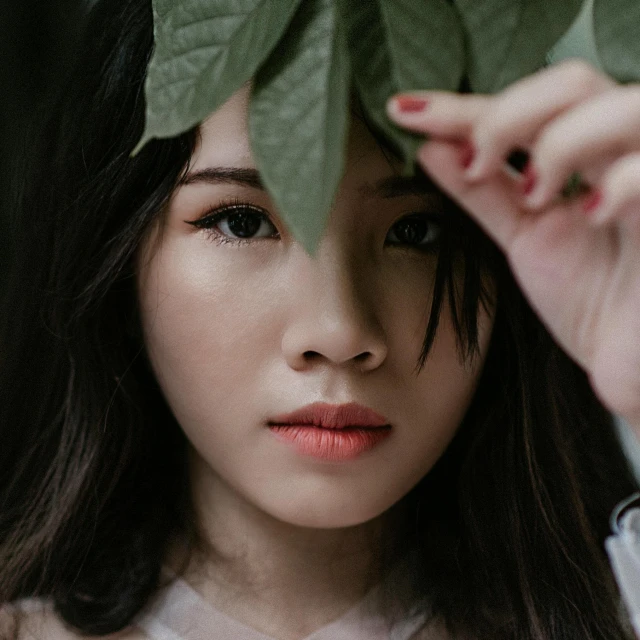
column 93, row 480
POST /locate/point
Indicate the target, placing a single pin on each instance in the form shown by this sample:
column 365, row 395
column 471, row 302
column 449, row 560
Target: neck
column 249, row 564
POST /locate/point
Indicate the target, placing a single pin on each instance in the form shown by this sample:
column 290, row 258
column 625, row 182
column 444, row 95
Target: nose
column 333, row 318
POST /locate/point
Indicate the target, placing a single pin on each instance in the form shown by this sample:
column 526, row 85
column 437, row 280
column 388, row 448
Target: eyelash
column 227, row 207
column 221, row 211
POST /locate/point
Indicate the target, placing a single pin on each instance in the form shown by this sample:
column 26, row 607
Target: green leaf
column 161, row 8
column 509, row 39
column 579, row 40
column 402, row 45
column 298, row 119
column 617, row 34
column 204, row 51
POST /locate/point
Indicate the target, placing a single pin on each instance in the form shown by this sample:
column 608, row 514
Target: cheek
column 203, row 332
column 431, row 405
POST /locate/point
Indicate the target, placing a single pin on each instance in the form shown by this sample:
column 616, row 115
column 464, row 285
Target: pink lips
column 332, row 416
column 331, row 432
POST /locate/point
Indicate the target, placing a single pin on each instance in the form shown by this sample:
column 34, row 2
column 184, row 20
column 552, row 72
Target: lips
column 328, row 416
column 331, row 432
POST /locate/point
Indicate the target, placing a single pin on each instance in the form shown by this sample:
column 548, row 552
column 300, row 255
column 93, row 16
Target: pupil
column 244, row 225
column 412, row 230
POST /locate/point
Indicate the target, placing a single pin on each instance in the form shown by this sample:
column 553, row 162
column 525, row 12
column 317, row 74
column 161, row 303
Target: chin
column 320, row 515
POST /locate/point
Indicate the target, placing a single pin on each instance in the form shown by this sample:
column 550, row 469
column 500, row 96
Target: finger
column 491, row 203
column 619, row 195
column 518, row 113
column 599, row 129
column 437, row 113
column 495, row 205
column 555, row 248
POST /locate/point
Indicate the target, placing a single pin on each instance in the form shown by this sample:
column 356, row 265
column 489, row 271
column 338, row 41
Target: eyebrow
column 390, row 187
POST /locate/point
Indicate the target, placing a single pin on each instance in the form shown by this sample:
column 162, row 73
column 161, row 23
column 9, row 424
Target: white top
column 179, row 612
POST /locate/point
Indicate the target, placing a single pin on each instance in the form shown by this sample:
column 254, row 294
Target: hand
column 577, row 260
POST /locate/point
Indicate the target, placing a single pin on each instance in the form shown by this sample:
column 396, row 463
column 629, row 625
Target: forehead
column 224, row 143
column 225, row 133
column 224, row 136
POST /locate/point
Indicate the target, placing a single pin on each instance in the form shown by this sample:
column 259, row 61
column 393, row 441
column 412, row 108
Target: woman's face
column 241, row 332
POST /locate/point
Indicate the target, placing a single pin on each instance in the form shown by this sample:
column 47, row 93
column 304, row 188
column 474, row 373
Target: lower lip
column 331, row 444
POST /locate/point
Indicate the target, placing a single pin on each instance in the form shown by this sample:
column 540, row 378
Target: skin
column 239, row 333
column 578, row 265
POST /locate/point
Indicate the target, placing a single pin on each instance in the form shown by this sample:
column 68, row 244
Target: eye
column 237, row 223
column 419, row 230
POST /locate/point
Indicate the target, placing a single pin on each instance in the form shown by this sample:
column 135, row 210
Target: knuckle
column 473, row 105
column 581, row 75
column 552, row 157
column 492, row 127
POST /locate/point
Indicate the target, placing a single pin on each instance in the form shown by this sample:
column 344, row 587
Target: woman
column 383, row 441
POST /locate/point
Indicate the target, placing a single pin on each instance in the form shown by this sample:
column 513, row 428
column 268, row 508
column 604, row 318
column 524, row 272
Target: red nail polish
column 592, row 201
column 467, row 154
column 407, row 104
column 529, row 179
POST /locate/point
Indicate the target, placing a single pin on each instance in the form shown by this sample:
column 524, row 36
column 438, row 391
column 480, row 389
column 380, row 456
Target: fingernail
column 467, row 154
column 408, row 104
column 529, row 179
column 592, row 202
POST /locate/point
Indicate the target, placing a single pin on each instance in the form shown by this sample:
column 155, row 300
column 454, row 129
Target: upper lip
column 332, row 416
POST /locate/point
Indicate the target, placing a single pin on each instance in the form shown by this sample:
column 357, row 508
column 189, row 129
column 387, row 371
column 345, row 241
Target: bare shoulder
column 41, row 623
